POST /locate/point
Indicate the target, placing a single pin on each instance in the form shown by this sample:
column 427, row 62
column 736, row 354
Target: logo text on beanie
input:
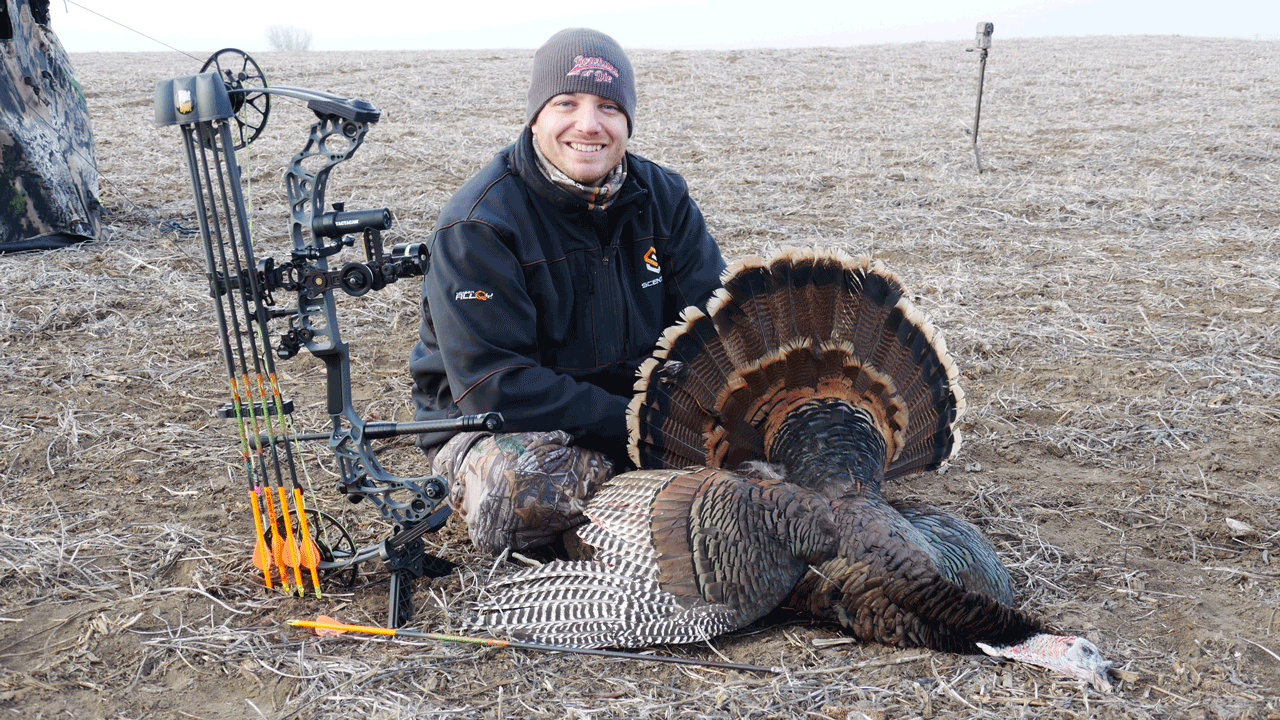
column 595, row 68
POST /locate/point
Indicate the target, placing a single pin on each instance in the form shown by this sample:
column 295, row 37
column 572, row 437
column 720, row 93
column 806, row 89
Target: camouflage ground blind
column 48, row 166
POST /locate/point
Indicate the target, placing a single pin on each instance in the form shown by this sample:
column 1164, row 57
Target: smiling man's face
column 583, row 135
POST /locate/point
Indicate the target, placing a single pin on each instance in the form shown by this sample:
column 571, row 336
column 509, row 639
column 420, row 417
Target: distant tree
column 289, row 38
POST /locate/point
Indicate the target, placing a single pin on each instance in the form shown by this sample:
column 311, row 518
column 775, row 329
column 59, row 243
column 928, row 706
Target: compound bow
column 219, row 112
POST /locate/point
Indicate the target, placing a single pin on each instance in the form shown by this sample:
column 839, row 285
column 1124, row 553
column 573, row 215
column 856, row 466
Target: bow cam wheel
column 244, row 81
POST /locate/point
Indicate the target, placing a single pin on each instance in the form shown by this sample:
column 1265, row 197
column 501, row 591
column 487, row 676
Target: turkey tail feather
column 800, row 327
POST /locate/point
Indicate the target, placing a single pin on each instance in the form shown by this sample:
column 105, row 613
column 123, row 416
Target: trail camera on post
column 983, row 44
column 984, row 35
column 48, row 167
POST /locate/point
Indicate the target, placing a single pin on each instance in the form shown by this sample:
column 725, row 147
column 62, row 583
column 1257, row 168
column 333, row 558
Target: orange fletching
column 260, row 558
column 310, row 554
column 327, row 631
column 289, row 551
column 310, row 551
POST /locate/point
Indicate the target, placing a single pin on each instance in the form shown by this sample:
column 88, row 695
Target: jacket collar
column 524, row 163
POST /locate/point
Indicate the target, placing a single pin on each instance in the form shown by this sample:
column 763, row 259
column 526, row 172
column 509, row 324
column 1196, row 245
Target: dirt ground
column 1110, row 287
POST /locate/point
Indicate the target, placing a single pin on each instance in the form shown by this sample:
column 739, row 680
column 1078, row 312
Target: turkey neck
column 831, row 446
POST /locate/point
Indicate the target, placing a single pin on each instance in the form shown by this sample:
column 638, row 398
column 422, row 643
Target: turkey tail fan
column 800, row 326
column 928, row 381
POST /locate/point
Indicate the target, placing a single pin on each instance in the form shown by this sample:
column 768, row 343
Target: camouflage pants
column 518, row 490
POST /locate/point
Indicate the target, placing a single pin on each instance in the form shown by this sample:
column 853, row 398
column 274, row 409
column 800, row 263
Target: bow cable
column 302, row 552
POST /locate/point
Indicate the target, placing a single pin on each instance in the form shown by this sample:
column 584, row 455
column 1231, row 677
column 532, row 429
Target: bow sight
column 219, row 112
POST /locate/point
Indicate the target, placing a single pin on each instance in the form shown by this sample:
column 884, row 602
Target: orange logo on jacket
column 651, row 261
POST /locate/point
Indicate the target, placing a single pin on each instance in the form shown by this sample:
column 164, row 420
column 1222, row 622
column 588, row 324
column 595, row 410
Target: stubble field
column 1110, row 288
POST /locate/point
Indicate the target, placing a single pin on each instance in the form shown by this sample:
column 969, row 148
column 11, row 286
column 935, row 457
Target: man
column 552, row 274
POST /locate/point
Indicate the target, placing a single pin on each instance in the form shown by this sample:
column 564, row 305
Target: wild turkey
column 814, row 377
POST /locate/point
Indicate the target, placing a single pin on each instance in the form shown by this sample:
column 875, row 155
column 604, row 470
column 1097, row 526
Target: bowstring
column 287, row 426
column 132, row 30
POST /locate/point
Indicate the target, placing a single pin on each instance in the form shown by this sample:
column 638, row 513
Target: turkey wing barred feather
column 680, row 556
column 594, row 604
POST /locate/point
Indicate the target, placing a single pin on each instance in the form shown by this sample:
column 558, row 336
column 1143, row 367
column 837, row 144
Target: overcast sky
column 87, row 25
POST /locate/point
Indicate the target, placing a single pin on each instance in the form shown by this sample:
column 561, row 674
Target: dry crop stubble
column 1110, row 289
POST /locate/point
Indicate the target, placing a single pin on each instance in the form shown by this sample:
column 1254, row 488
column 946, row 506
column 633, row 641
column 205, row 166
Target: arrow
column 539, row 647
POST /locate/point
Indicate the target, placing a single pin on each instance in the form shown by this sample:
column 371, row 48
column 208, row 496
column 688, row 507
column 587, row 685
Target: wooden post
column 983, row 41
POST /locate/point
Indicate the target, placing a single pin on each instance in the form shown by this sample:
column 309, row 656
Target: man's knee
column 519, row 490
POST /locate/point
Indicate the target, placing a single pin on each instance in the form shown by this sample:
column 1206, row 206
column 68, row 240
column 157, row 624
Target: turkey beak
column 1101, row 679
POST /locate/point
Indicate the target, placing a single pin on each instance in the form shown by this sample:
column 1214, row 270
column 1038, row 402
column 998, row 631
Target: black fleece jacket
column 540, row 308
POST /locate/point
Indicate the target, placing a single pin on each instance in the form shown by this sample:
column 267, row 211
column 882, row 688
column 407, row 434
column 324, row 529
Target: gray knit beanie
column 582, row 60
